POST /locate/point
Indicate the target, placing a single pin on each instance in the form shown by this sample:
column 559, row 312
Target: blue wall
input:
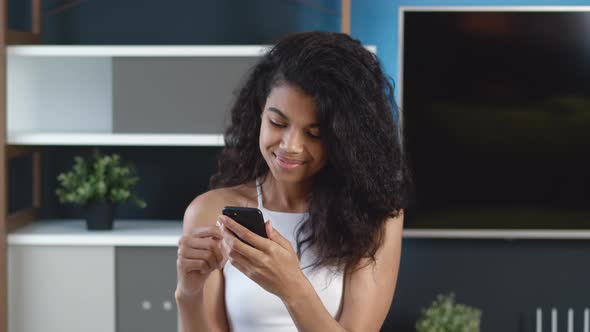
column 135, row 22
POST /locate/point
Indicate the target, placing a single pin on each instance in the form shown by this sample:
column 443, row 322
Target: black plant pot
column 100, row 215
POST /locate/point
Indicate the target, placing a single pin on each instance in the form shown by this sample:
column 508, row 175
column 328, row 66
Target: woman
column 312, row 143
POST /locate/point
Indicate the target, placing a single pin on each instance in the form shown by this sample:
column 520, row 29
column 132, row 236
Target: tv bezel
column 483, row 233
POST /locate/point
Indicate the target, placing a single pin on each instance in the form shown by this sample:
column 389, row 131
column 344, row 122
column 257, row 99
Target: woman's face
column 290, row 138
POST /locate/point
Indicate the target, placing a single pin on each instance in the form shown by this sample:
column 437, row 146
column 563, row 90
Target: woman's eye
column 313, row 135
column 276, row 124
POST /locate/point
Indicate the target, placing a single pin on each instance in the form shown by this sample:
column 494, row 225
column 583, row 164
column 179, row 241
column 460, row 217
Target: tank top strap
column 259, row 193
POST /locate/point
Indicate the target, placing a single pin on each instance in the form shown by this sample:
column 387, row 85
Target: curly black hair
column 366, row 179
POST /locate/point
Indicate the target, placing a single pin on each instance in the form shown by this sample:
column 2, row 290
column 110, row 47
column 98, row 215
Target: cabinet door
column 146, row 280
column 61, row 289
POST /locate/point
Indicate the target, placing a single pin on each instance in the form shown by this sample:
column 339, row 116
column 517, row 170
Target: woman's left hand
column 272, row 263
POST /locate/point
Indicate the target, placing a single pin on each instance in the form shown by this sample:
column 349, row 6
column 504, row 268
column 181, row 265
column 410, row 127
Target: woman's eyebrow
column 277, row 111
column 282, row 115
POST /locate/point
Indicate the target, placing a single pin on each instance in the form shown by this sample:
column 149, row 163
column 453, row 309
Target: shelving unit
column 110, row 96
column 102, row 96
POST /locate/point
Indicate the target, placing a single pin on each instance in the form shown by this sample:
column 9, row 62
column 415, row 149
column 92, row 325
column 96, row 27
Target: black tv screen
column 496, row 117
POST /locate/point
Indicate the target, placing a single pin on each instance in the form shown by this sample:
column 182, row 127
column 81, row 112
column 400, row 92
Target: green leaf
column 443, row 315
column 98, row 178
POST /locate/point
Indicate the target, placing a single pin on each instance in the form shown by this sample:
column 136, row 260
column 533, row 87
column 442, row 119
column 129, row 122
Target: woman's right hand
column 199, row 253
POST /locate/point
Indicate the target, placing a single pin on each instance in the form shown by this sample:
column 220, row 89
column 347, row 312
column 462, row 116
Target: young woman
column 313, row 144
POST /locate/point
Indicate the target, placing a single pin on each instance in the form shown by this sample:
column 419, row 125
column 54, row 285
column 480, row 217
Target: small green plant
column 100, row 178
column 444, row 315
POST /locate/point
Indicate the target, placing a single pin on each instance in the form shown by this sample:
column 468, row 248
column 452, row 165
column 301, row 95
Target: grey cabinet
column 145, row 284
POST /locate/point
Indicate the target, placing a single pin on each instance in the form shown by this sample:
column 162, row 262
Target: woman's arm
column 204, row 310
column 368, row 292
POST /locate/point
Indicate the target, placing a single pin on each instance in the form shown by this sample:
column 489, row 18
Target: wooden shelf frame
column 3, row 175
column 24, row 216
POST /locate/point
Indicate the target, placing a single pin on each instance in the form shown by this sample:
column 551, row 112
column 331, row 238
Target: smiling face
column 290, row 138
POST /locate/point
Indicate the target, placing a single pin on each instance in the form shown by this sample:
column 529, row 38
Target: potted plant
column 444, row 315
column 99, row 183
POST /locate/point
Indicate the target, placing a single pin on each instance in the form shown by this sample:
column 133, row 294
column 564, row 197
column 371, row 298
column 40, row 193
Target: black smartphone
column 251, row 218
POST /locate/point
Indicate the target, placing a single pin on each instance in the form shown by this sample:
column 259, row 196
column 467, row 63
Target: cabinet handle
column 146, row 305
column 167, row 305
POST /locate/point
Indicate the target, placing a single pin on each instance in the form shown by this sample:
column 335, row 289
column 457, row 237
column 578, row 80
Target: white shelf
column 137, row 51
column 142, row 51
column 115, row 139
column 157, row 233
column 165, row 233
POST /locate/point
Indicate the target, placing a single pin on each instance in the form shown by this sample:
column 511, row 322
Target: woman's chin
column 281, row 175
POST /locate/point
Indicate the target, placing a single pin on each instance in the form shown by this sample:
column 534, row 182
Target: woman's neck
column 287, row 197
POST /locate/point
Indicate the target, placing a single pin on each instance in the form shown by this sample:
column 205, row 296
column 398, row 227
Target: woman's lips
column 286, row 163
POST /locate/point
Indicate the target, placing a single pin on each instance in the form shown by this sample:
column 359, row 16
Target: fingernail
column 217, row 223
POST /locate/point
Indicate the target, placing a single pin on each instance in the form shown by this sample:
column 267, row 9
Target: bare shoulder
column 205, row 208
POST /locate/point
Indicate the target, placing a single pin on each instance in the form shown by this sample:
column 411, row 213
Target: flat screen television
column 495, row 111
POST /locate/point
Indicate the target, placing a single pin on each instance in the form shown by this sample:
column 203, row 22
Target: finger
column 199, row 243
column 217, row 250
column 211, row 244
column 268, row 227
column 233, row 243
column 277, row 237
column 245, row 234
column 241, row 263
column 190, row 253
column 188, row 265
column 207, row 231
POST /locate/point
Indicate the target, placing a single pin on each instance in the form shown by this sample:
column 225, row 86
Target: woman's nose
column 292, row 142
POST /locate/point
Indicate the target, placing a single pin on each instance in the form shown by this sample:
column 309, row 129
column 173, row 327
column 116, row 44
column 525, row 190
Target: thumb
column 269, row 229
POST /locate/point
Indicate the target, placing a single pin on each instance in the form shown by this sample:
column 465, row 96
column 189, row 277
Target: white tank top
column 250, row 308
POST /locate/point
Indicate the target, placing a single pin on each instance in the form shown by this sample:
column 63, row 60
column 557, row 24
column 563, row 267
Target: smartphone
column 251, row 218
